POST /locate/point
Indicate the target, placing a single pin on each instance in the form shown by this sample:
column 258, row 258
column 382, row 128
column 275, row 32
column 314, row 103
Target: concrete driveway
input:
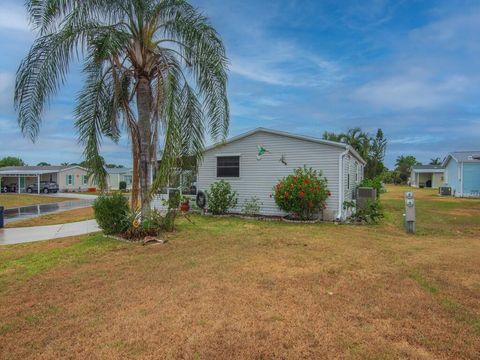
column 49, row 232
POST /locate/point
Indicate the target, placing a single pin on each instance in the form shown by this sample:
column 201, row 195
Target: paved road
column 49, row 232
column 31, row 211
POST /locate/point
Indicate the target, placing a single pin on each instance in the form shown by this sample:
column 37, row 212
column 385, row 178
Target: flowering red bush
column 302, row 194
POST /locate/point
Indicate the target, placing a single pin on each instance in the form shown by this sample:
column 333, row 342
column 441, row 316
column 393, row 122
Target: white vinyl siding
column 258, row 177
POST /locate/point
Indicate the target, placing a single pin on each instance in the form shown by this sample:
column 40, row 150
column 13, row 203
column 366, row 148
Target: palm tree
column 435, row 161
column 155, row 68
column 357, row 139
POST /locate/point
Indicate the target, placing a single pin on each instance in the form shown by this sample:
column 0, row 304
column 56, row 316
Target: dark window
column 228, row 166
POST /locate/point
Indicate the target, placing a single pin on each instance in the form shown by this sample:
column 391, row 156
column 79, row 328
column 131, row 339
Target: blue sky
column 409, row 67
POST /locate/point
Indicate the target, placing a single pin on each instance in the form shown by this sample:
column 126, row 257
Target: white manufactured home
column 254, row 162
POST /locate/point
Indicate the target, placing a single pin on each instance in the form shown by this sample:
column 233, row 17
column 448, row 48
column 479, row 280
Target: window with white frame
column 69, row 179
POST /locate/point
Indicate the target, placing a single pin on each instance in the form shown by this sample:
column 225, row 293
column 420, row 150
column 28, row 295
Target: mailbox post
column 409, row 213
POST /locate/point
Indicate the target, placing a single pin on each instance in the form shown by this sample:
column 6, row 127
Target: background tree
column 331, row 136
column 156, row 68
column 43, row 163
column 376, row 155
column 404, row 166
column 435, row 161
column 357, row 139
column 371, row 149
column 11, row 161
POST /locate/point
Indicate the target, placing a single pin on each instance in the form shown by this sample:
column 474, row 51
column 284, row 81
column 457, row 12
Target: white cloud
column 282, row 63
column 13, row 17
column 410, row 92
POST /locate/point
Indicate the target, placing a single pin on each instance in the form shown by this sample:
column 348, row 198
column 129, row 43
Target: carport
column 21, row 175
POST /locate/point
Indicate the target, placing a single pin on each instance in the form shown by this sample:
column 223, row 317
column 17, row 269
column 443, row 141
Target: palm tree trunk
column 144, row 109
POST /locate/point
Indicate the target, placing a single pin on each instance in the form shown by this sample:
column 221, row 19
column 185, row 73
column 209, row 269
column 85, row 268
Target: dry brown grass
column 16, row 200
column 230, row 288
column 55, row 218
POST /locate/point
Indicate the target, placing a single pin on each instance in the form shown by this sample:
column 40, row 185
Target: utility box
column 445, row 191
column 365, row 195
column 409, row 215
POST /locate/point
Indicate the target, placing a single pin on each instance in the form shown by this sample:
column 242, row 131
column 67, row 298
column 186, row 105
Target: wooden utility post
column 409, row 215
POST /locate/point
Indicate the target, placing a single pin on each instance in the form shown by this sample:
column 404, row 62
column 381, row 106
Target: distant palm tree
column 357, row 139
column 435, row 161
column 156, row 68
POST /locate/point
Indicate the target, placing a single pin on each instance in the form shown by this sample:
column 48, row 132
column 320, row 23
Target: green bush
column 372, row 213
column 112, row 213
column 251, row 206
column 302, row 194
column 373, row 183
column 221, row 197
column 122, row 185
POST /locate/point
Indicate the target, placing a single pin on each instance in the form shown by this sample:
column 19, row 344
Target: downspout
column 461, row 178
column 340, row 185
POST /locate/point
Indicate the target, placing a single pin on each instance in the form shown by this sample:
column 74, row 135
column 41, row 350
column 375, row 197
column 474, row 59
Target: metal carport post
column 38, row 184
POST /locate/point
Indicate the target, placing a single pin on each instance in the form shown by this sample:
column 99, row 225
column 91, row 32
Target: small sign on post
column 409, row 213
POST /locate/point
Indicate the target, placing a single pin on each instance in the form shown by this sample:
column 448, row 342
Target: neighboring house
column 68, row 178
column 462, row 173
column 429, row 176
column 116, row 175
column 251, row 174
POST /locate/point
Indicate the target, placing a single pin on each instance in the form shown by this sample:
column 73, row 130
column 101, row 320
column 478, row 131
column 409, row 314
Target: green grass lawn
column 16, row 200
column 232, row 288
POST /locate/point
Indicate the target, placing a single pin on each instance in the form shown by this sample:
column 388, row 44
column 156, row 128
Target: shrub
column 112, row 213
column 122, row 185
column 371, row 213
column 302, row 194
column 221, row 197
column 251, row 206
column 373, row 183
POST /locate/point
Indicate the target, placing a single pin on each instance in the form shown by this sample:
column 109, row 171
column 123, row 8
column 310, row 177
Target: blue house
column 462, row 173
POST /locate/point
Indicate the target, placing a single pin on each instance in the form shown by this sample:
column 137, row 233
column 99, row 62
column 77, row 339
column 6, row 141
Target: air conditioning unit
column 364, row 195
column 445, row 191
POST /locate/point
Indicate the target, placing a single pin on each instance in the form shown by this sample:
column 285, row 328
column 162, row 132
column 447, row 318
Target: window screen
column 228, row 166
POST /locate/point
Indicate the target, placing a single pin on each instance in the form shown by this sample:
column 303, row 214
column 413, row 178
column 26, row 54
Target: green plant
column 251, row 206
column 302, row 194
column 174, row 199
column 375, row 183
column 371, row 213
column 122, row 185
column 221, row 197
column 112, row 213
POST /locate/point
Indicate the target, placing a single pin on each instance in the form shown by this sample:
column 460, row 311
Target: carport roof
column 29, row 170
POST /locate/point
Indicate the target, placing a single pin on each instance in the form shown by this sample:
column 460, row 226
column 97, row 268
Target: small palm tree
column 357, row 139
column 435, row 161
column 155, row 68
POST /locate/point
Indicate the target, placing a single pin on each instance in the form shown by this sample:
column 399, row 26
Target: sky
column 411, row 68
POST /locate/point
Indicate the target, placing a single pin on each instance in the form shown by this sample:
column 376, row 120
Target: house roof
column 463, row 156
column 428, row 168
column 35, row 170
column 290, row 135
column 29, row 170
column 118, row 170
